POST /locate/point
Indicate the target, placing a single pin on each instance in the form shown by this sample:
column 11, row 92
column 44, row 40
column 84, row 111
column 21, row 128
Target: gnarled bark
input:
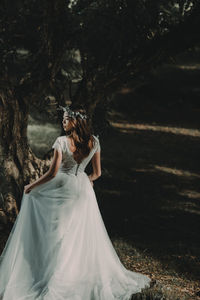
column 18, row 164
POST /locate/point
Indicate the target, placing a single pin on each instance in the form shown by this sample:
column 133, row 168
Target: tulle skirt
column 59, row 249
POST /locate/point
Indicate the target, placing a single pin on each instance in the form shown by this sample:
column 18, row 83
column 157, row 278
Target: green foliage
column 114, row 33
column 47, row 45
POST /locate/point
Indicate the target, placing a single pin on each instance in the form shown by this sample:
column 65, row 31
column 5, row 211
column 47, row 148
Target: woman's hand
column 27, row 188
column 91, row 181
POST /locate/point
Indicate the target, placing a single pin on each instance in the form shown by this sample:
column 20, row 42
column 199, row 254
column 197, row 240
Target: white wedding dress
column 58, row 248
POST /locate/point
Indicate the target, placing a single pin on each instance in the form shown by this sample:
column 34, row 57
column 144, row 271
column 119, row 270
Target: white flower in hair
column 70, row 113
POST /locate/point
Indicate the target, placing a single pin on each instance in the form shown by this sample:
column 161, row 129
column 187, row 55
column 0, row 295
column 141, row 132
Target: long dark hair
column 80, row 130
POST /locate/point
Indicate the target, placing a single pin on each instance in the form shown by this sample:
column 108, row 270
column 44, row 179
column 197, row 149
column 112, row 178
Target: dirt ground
column 149, row 192
column 149, row 197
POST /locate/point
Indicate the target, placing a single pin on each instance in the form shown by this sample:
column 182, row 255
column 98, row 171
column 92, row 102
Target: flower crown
column 70, row 113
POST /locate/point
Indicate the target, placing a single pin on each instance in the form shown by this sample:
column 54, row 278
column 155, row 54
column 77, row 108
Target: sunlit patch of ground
column 177, row 172
column 124, row 127
column 190, row 194
column 173, row 171
column 189, row 67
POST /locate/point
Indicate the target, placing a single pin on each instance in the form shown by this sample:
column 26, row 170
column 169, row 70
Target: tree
column 31, row 51
column 88, row 48
column 121, row 40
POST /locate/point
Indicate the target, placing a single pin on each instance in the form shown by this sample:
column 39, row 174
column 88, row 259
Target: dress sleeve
column 57, row 145
column 98, row 147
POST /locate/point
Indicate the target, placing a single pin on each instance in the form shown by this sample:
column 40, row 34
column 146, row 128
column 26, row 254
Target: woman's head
column 76, row 121
column 76, row 124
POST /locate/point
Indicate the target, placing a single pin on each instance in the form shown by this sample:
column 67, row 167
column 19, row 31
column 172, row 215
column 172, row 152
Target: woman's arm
column 96, row 165
column 51, row 173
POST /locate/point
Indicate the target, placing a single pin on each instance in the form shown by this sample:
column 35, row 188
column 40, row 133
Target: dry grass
column 169, row 284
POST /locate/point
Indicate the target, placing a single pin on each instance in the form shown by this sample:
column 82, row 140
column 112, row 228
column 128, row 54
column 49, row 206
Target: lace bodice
column 68, row 164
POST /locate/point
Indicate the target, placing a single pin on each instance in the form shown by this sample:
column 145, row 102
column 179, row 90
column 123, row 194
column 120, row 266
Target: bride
column 58, row 248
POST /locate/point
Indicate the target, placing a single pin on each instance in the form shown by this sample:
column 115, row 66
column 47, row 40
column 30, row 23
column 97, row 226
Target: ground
column 149, row 199
column 149, row 193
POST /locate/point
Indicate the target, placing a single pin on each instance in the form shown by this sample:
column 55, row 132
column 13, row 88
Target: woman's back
column 69, row 165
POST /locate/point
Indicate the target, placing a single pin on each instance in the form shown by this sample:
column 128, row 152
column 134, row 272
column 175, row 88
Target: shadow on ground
column 149, row 194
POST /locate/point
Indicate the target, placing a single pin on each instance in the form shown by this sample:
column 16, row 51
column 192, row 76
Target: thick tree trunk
column 18, row 164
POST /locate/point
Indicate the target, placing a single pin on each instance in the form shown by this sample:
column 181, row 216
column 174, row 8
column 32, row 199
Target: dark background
column 135, row 67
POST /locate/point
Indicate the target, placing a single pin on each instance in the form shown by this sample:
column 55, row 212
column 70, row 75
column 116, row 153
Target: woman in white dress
column 58, row 248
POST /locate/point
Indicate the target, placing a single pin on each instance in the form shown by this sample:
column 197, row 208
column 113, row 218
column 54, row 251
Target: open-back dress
column 58, row 248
